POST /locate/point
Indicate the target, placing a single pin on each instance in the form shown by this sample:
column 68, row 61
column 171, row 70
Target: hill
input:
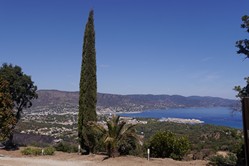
column 55, row 101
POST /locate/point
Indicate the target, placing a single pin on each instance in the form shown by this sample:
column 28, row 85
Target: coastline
column 181, row 120
column 220, row 116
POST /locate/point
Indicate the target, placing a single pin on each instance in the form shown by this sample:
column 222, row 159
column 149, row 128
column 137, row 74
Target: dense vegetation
column 38, row 151
column 219, row 160
column 88, row 89
column 22, row 91
column 205, row 140
column 66, row 147
column 117, row 136
column 7, row 118
column 166, row 144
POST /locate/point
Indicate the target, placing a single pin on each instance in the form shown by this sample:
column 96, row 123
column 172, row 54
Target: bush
column 49, row 151
column 219, row 160
column 167, row 144
column 38, row 151
column 239, row 150
column 31, row 151
column 202, row 154
column 131, row 148
column 66, row 147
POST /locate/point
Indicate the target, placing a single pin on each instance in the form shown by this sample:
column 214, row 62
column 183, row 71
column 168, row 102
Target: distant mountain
column 55, row 97
column 61, row 101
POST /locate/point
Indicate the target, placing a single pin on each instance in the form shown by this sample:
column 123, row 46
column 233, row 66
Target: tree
column 167, row 144
column 117, row 134
column 243, row 46
column 7, row 118
column 88, row 89
column 21, row 89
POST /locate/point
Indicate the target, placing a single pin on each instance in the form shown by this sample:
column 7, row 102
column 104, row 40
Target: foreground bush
column 66, row 147
column 219, row 160
column 32, row 151
column 167, row 144
column 239, row 150
column 38, row 151
column 49, row 151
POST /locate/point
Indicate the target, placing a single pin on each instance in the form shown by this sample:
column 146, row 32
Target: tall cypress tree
column 88, row 88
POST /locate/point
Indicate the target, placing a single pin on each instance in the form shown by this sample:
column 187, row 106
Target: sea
column 220, row 116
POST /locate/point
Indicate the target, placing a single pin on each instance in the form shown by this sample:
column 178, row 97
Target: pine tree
column 88, row 88
column 243, row 46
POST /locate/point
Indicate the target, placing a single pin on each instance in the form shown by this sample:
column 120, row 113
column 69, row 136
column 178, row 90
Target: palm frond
column 97, row 127
column 116, row 133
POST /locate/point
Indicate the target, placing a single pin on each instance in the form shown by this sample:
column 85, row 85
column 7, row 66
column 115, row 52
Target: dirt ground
column 15, row 158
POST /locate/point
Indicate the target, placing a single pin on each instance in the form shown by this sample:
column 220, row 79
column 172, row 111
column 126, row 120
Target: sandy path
column 8, row 161
column 67, row 159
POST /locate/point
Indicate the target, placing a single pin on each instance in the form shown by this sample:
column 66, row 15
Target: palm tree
column 117, row 132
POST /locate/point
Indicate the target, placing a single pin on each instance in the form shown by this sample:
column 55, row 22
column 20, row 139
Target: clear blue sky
column 143, row 46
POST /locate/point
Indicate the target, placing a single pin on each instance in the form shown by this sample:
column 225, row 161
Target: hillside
column 61, row 101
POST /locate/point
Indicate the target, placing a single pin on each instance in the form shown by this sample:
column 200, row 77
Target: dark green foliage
column 88, row 89
column 129, row 147
column 66, row 147
column 22, row 91
column 219, row 160
column 38, row 151
column 21, row 87
column 239, row 150
column 204, row 139
column 32, row 151
column 118, row 136
column 167, row 144
column 243, row 45
column 49, row 151
column 242, row 92
column 7, row 118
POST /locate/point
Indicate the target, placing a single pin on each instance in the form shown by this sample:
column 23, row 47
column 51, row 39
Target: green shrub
column 239, row 150
column 38, row 151
column 27, row 151
column 49, row 151
column 131, row 148
column 31, row 151
column 66, row 147
column 219, row 160
column 167, row 144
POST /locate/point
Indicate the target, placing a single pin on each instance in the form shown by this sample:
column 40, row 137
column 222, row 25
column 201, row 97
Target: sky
column 143, row 46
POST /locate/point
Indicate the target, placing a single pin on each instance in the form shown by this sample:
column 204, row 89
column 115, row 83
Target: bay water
column 221, row 116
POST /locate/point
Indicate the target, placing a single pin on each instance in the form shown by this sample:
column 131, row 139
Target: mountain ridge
column 149, row 94
column 61, row 101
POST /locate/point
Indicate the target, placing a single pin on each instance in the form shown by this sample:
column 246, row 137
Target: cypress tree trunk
column 88, row 88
